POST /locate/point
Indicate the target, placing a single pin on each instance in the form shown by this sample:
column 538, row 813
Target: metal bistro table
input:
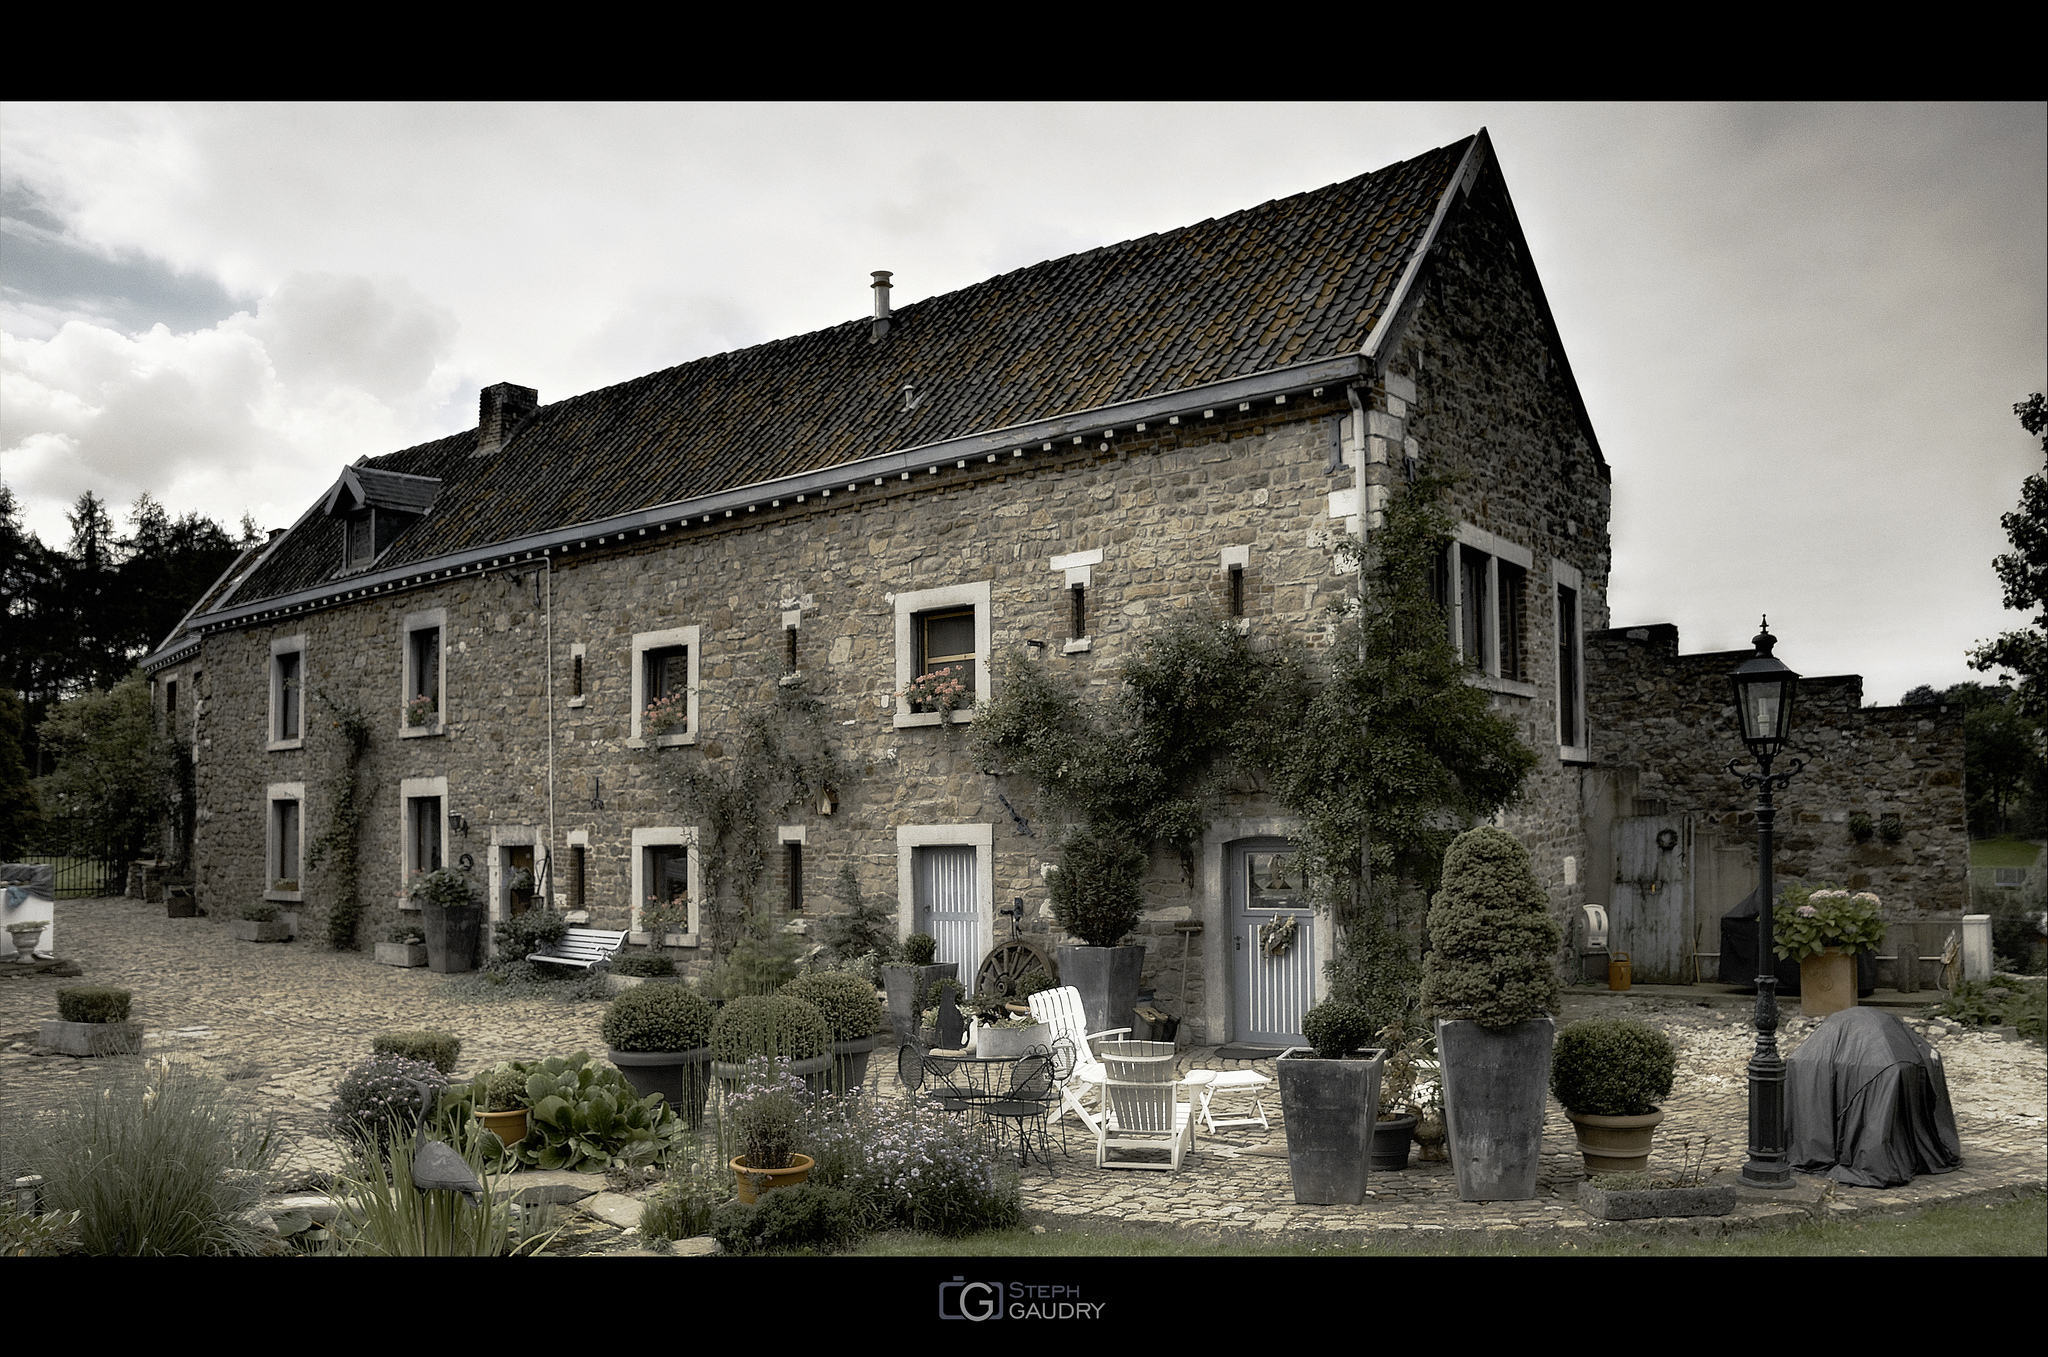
column 987, row 1087
column 966, row 1081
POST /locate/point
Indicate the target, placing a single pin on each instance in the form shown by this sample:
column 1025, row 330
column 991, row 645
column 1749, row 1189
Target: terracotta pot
column 753, row 1182
column 1615, row 1144
column 508, row 1127
column 1827, row 983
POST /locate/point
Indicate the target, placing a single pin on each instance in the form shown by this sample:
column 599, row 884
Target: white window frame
column 273, row 794
column 282, row 646
column 432, row 619
column 981, row 838
column 665, row 836
column 1486, row 668
column 913, row 602
column 660, row 640
column 1565, row 576
column 409, row 790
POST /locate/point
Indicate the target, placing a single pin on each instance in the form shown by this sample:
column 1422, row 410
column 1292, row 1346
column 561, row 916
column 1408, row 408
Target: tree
column 20, row 816
column 114, row 772
column 2023, row 572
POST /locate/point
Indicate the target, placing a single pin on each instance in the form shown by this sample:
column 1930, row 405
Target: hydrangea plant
column 1811, row 920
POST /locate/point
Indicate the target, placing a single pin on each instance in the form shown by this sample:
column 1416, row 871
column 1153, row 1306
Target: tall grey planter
column 1330, row 1107
column 901, row 984
column 1107, row 978
column 1496, row 1083
column 451, row 937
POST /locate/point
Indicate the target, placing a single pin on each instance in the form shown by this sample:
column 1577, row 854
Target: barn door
column 947, row 905
column 1650, row 916
column 1273, row 982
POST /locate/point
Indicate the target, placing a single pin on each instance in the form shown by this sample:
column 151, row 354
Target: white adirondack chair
column 1142, row 1106
column 1060, row 1009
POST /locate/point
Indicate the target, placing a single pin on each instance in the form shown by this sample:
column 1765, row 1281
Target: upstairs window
column 287, row 692
column 288, row 697
column 941, row 630
column 665, row 666
column 945, row 640
column 423, row 823
column 1479, row 582
column 422, row 695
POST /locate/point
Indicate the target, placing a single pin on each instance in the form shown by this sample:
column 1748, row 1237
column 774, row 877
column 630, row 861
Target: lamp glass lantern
column 1763, row 699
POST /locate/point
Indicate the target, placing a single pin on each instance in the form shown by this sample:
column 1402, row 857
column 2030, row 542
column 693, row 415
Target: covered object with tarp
column 28, row 894
column 1868, row 1103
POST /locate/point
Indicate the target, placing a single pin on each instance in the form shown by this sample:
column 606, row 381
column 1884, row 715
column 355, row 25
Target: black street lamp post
column 1763, row 701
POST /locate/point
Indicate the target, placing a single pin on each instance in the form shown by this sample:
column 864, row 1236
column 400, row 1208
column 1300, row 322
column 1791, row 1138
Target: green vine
column 780, row 757
column 343, row 835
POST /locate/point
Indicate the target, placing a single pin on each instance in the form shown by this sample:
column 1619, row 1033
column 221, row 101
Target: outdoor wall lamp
column 458, row 822
column 1763, row 702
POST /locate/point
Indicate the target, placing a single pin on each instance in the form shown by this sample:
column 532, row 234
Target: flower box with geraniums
column 665, row 922
column 1098, row 896
column 854, row 1015
column 405, row 944
column 1610, row 1074
column 775, row 1026
column 943, row 690
column 766, row 1113
column 1329, row 1097
column 453, row 919
column 260, row 923
column 1490, row 983
column 92, row 1020
column 659, row 1036
column 420, row 712
column 1823, row 929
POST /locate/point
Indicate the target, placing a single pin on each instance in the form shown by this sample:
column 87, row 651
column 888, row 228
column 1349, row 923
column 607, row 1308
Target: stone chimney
column 882, row 312
column 502, row 411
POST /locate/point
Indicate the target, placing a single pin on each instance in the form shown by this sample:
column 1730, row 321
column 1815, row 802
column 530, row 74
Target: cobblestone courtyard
column 282, row 1022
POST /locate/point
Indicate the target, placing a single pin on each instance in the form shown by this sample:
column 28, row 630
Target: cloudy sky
column 1800, row 329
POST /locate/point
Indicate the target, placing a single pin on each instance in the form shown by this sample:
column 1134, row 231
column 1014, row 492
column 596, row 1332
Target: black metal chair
column 914, row 1067
column 1027, row 1106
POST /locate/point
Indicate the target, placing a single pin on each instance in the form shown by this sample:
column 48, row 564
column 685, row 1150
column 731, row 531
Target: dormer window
column 374, row 507
column 370, row 532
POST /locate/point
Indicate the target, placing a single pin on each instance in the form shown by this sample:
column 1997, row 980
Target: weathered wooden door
column 1650, row 916
column 1273, row 976
column 947, row 906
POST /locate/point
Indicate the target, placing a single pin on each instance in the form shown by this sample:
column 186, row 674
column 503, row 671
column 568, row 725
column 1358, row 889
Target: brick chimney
column 502, row 411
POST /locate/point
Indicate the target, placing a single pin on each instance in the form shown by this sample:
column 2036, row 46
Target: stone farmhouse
column 1049, row 461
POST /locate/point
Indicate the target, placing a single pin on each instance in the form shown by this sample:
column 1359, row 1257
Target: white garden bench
column 582, row 948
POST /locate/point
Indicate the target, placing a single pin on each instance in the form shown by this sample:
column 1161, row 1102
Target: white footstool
column 1213, row 1082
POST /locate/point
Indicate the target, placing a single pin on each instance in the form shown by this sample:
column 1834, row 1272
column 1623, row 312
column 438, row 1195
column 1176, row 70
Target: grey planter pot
column 401, row 954
column 1011, row 1041
column 901, row 984
column 1496, row 1086
column 1391, row 1141
column 249, row 930
column 1648, row 1203
column 816, row 1072
column 683, row 1078
column 1107, row 978
column 92, row 1038
column 850, row 1063
column 452, row 934
column 1330, row 1108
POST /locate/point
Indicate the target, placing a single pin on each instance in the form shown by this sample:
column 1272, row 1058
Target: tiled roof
column 1286, row 282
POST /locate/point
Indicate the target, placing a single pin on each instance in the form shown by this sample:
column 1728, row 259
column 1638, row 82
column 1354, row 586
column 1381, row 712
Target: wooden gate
column 1651, row 914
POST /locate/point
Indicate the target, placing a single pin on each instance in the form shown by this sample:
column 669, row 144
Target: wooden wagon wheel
column 1007, row 964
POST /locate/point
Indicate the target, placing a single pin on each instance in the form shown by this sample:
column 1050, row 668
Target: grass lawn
column 2005, row 1229
column 2007, row 852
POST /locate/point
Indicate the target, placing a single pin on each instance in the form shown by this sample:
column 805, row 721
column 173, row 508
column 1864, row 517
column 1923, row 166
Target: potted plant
column 766, row 1113
column 405, row 944
column 92, row 1020
column 660, row 1038
column 1329, row 1096
column 1009, row 1035
column 1489, row 983
column 771, row 1025
column 906, row 982
column 1609, row 1074
column 260, row 923
column 852, row 1012
column 1098, row 896
column 1407, row 1044
column 449, row 909
column 504, row 1102
column 1823, row 929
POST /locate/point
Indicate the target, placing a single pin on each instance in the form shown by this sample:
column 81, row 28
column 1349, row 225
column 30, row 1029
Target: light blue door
column 1273, row 970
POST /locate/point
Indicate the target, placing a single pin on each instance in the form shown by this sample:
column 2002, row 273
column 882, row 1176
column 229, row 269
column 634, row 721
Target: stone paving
column 282, row 1022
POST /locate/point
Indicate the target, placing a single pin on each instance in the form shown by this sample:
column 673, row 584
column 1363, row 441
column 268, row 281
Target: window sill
column 904, row 720
column 297, row 742
column 660, row 741
column 286, row 897
column 1575, row 753
column 644, row 939
column 576, row 701
column 421, row 732
column 1507, row 687
column 1082, row 646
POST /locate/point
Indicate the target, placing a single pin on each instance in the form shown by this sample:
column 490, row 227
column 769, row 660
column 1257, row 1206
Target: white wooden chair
column 1060, row 1009
column 1142, row 1107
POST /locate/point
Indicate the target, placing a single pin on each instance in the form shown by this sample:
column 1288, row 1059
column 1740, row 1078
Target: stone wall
column 1671, row 717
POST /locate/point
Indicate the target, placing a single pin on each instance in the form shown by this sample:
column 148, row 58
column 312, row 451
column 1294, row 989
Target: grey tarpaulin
column 38, row 879
column 1868, row 1103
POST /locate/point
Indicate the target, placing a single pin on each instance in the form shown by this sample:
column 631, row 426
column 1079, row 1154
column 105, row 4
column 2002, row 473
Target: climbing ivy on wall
column 343, row 836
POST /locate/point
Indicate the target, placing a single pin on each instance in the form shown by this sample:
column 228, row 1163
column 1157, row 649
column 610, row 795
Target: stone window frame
column 1562, row 577
column 579, row 674
column 980, row 837
column 276, row 794
column 429, row 619
column 912, row 604
column 1496, row 550
column 666, row 836
column 686, row 637
column 1077, row 569
column 412, row 789
column 279, row 648
column 497, row 896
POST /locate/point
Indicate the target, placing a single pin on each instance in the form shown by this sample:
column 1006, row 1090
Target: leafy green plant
column 379, row 1099
column 1612, row 1067
column 93, row 1003
column 1336, row 1028
column 1812, row 919
column 1493, row 940
column 1861, row 827
column 521, row 935
column 920, row 949
column 160, row 1162
column 260, row 914
column 765, row 1113
column 849, row 1004
column 2002, row 1001
column 862, row 926
column 908, row 1166
column 658, row 1018
column 638, row 961
column 583, row 1116
column 405, row 932
column 504, row 1088
column 769, row 1025
column 342, row 839
column 29, row 1236
column 445, row 889
column 439, row 1049
column 1098, row 893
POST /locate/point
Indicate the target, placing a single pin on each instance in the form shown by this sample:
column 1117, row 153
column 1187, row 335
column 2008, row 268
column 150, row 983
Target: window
column 792, row 839
column 366, row 534
column 284, row 841
column 287, row 692
column 1572, row 739
column 577, row 854
column 576, row 653
column 941, row 629
column 425, row 813
column 664, row 688
column 1077, row 573
column 1479, row 582
column 171, row 697
column 1234, row 562
column 423, row 825
column 422, row 696
column 665, row 885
